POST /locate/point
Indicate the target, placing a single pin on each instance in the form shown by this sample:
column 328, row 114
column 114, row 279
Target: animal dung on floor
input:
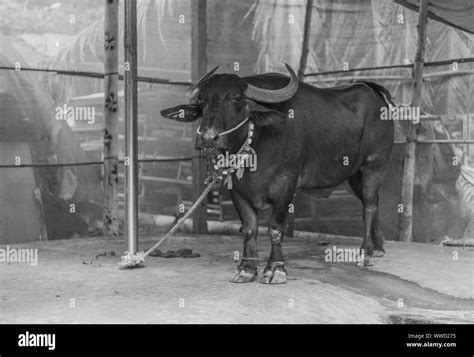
column 180, row 253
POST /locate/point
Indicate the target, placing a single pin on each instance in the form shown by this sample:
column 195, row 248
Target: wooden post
column 306, row 34
column 199, row 69
column 131, row 124
column 406, row 218
column 111, row 223
column 468, row 114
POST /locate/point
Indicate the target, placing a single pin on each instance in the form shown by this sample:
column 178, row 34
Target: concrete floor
column 413, row 283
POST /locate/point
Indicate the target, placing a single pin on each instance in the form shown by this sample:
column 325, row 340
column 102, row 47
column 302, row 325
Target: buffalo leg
column 248, row 267
column 275, row 271
column 355, row 182
column 371, row 179
column 378, row 238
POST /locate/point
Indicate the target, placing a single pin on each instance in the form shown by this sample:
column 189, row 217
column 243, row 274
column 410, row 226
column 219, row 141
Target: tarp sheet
column 456, row 13
column 27, row 114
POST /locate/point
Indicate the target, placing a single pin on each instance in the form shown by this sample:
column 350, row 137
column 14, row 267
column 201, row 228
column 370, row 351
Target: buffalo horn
column 276, row 95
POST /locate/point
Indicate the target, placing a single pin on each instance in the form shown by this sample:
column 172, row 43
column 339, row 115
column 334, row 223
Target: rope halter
column 198, row 130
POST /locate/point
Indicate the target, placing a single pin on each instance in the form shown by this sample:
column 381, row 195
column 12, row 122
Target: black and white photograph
column 250, row 162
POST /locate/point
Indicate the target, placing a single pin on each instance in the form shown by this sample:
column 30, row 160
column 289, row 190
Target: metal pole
column 131, row 124
column 290, row 227
column 306, row 34
column 111, row 223
column 199, row 69
column 406, row 218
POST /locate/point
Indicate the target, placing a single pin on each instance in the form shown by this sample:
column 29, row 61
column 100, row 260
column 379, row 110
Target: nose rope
column 198, row 130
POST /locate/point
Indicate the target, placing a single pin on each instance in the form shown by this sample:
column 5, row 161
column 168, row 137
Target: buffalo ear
column 262, row 115
column 184, row 113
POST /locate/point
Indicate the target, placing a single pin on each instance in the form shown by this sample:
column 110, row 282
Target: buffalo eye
column 238, row 97
column 199, row 101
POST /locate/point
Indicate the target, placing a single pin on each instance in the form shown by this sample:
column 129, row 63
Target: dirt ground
column 413, row 283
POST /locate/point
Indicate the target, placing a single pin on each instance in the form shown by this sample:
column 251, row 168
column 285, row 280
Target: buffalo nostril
column 210, row 136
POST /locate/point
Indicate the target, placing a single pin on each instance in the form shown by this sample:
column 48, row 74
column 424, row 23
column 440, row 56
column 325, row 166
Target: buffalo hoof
column 244, row 276
column 378, row 253
column 274, row 276
column 366, row 262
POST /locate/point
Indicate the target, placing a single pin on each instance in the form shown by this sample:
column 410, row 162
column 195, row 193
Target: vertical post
column 406, row 218
column 468, row 115
column 131, row 124
column 306, row 34
column 290, row 228
column 111, row 223
column 199, row 69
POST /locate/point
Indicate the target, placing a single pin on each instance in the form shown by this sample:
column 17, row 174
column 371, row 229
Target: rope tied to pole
column 216, row 175
column 133, row 260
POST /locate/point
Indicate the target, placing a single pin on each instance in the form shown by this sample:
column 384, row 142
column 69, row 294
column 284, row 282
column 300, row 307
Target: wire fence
column 98, row 75
column 97, row 163
column 410, row 65
column 153, row 80
column 145, row 79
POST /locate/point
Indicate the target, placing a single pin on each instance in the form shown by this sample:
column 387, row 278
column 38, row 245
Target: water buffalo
column 306, row 138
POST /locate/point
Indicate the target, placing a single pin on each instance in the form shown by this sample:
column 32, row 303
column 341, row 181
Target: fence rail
column 146, row 79
column 190, row 158
column 95, row 163
column 427, row 64
column 96, row 75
